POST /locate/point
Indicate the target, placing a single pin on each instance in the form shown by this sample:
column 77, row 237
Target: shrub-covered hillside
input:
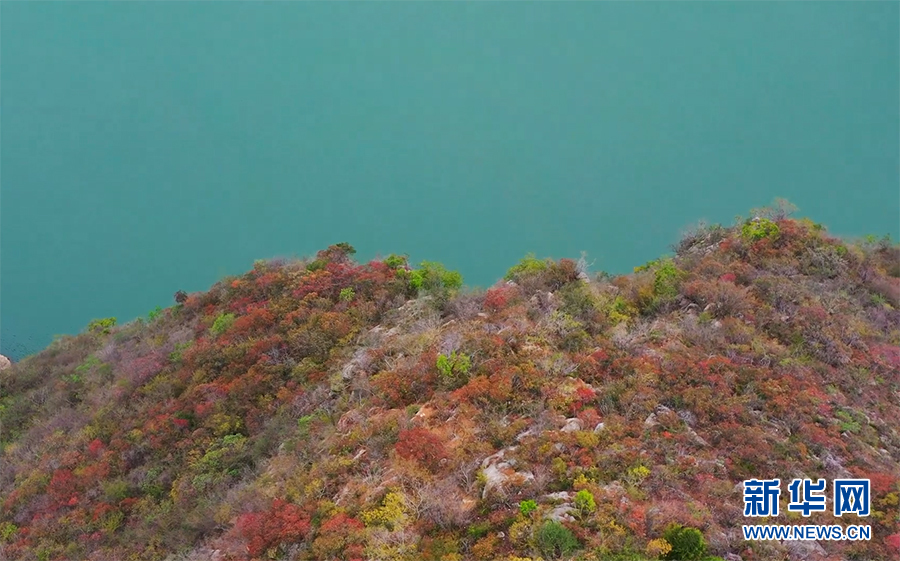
column 327, row 410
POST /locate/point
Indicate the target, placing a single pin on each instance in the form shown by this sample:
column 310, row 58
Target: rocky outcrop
column 499, row 473
column 4, row 362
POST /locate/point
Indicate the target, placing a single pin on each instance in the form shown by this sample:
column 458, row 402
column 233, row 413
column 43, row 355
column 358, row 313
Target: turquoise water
column 157, row 146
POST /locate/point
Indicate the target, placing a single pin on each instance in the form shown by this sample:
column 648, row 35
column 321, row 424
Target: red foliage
column 95, row 447
column 141, row 368
column 256, row 319
column 341, row 523
column 583, row 396
column 498, row 297
column 284, row 523
column 888, row 355
column 421, row 445
column 590, row 417
column 268, row 279
column 893, row 542
column 476, row 391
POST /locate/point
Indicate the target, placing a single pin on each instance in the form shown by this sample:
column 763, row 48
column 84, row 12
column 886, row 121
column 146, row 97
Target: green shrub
column 435, row 280
column 347, row 294
column 666, row 279
column 527, row 507
column 478, row 530
column 584, row 502
column 579, row 302
column 396, row 261
column 687, row 543
column 176, row 355
column 154, row 313
column 434, row 276
column 529, row 265
column 222, row 323
column 454, row 366
column 555, row 540
column 101, row 326
column 649, row 265
column 758, row 229
column 7, row 531
column 620, row 310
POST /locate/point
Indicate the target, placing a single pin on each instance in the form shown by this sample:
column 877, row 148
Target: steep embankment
column 328, row 410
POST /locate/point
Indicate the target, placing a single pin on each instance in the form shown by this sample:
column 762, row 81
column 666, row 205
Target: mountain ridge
column 323, row 409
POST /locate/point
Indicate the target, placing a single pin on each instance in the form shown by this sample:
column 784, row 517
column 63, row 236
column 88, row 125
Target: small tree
column 222, row 323
column 584, row 502
column 687, row 543
column 555, row 540
column 101, row 326
column 453, row 366
column 527, row 507
column 778, row 210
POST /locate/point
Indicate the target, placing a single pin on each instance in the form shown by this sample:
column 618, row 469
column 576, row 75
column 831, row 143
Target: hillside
column 323, row 409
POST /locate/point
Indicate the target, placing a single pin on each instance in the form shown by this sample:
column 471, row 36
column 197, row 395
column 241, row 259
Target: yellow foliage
column 891, row 499
column 587, row 439
column 314, row 488
column 658, row 548
column 88, row 433
column 560, row 469
column 483, row 550
column 520, row 531
column 616, row 528
column 636, row 475
column 112, row 521
column 382, row 547
column 580, row 482
column 223, row 514
column 221, row 424
column 391, row 514
column 193, row 458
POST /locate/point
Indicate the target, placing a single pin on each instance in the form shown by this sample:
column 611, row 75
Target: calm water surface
column 157, row 146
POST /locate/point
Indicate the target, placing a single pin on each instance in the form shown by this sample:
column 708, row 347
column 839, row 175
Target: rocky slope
column 324, row 410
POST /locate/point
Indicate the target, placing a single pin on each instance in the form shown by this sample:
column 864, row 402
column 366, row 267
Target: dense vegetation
column 322, row 409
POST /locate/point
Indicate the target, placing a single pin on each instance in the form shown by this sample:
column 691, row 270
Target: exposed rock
column 425, row 412
column 561, row 513
column 689, row 418
column 599, row 428
column 358, row 364
column 835, row 466
column 612, row 489
column 4, row 362
column 699, row 440
column 804, row 550
column 651, row 421
column 573, row 424
column 349, row 419
column 499, row 473
column 523, row 435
